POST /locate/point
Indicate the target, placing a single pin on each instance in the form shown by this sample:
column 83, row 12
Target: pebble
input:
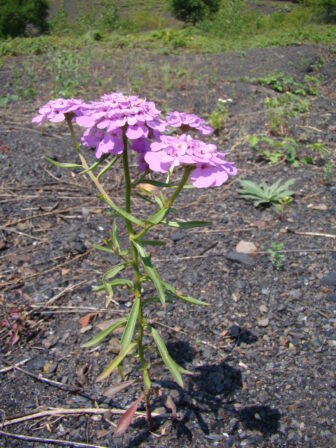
column 329, row 279
column 263, row 322
column 263, row 308
column 331, row 298
column 243, row 259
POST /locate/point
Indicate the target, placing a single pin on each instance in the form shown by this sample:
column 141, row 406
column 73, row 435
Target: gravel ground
column 262, row 353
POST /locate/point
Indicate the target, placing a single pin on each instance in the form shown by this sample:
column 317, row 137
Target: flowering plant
column 112, row 126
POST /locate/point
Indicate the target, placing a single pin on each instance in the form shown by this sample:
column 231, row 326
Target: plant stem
column 137, row 281
column 183, row 181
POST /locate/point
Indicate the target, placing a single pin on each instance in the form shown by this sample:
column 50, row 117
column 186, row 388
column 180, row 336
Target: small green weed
column 328, row 173
column 281, row 109
column 5, row 99
column 264, row 194
column 218, row 117
column 275, row 151
column 280, row 82
column 276, row 254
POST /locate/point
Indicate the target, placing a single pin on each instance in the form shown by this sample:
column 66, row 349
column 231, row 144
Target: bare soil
column 263, row 352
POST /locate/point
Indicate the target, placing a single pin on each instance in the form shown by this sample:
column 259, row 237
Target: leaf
column 187, row 224
column 85, row 320
column 115, row 236
column 116, row 282
column 113, row 390
column 151, row 271
column 156, row 183
column 153, row 242
column 94, row 165
column 157, row 217
column 113, row 271
column 126, row 419
column 130, row 326
column 171, row 405
column 173, row 367
column 103, row 334
column 63, row 165
column 114, row 364
column 188, row 299
column 108, row 167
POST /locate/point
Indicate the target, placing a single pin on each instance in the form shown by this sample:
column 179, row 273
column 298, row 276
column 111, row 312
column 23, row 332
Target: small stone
column 246, row 247
column 331, row 298
column 263, row 322
column 332, row 343
column 243, row 259
column 234, row 331
column 177, row 236
column 329, row 279
column 263, row 308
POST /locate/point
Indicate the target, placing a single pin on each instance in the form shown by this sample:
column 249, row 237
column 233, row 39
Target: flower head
column 188, row 122
column 210, row 168
column 55, row 110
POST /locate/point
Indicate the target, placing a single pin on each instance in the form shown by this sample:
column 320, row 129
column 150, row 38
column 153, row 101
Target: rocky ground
column 262, row 353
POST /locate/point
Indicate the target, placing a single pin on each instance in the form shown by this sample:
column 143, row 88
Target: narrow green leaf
column 116, row 282
column 63, row 165
column 170, row 288
column 109, row 166
column 158, row 216
column 94, row 165
column 102, row 248
column 103, row 334
column 187, row 224
column 172, row 366
column 114, row 271
column 130, row 326
column 153, row 242
column 127, row 215
column 156, row 183
column 117, row 360
column 151, row 271
column 115, row 236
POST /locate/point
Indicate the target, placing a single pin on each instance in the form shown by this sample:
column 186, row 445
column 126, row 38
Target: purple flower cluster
column 188, row 122
column 54, row 110
column 210, row 168
column 116, row 116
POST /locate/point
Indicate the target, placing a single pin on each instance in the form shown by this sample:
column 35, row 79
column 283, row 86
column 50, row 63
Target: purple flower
column 54, row 110
column 210, row 168
column 187, row 122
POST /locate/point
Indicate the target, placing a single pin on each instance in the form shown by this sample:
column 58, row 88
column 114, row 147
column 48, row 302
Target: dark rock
column 177, row 236
column 237, row 257
column 36, row 363
column 329, row 279
column 234, row 331
column 331, row 298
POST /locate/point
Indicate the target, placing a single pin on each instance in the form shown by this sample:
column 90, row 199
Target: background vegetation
column 165, row 25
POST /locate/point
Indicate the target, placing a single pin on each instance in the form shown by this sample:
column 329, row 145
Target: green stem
column 183, row 181
column 137, row 280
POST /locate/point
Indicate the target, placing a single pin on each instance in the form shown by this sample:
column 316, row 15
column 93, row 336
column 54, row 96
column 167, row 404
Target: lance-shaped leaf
column 116, row 282
column 153, row 242
column 158, row 216
column 102, row 248
column 115, row 363
column 172, row 366
column 64, row 164
column 126, row 215
column 130, row 326
column 94, row 165
column 156, row 183
column 180, row 296
column 115, row 236
column 108, row 167
column 116, row 388
column 151, row 271
column 187, row 224
column 113, row 271
column 103, row 334
column 126, row 419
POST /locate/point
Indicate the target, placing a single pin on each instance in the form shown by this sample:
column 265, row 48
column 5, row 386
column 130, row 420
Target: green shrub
column 15, row 15
column 326, row 9
column 194, row 10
